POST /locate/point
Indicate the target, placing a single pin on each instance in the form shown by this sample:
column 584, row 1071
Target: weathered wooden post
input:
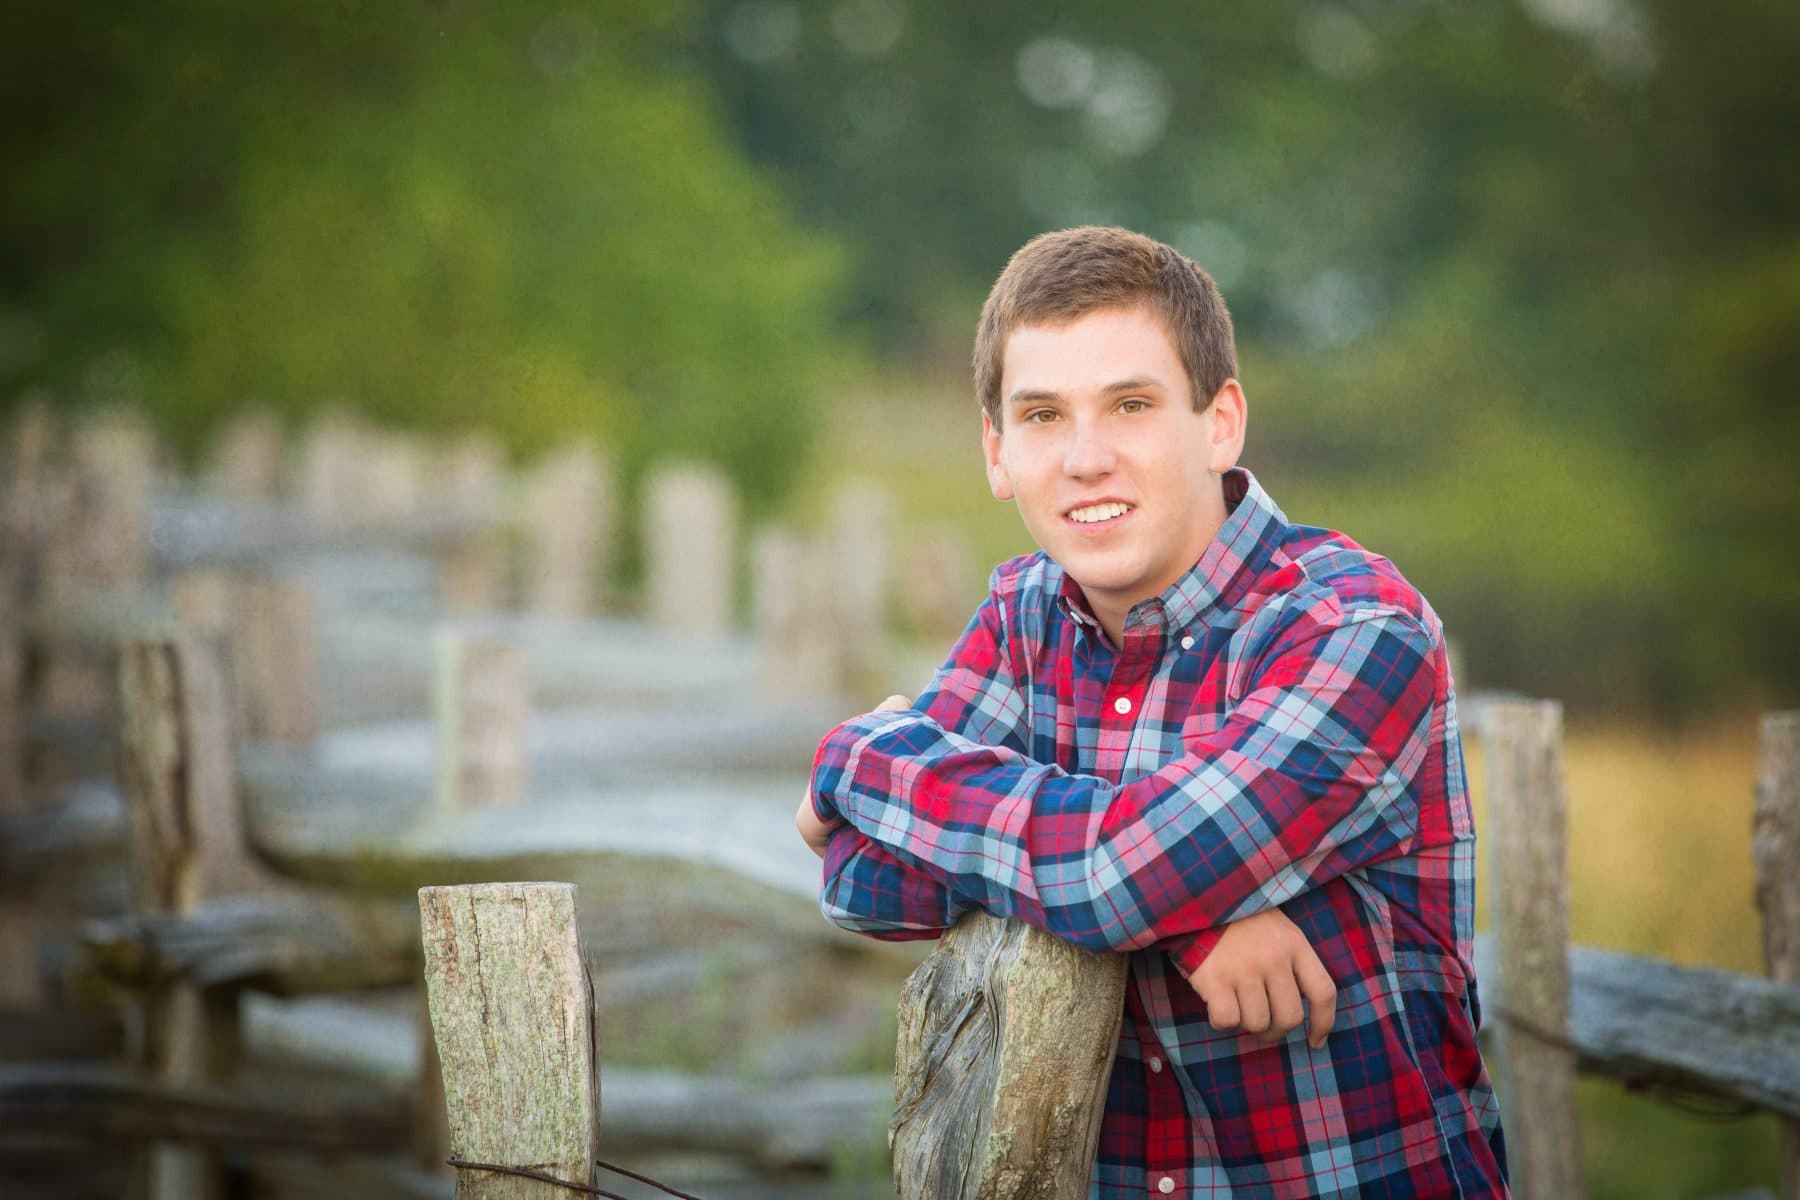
column 1775, row 846
column 186, row 843
column 1006, row 1044
column 1528, row 878
column 690, row 550
column 245, row 461
column 789, row 586
column 392, row 475
column 97, row 542
column 483, row 706
column 860, row 538
column 265, row 627
column 938, row 585
column 569, row 530
column 325, row 473
column 471, row 477
column 512, row 1009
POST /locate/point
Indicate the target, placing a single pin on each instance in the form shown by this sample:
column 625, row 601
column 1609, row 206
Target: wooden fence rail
column 279, row 846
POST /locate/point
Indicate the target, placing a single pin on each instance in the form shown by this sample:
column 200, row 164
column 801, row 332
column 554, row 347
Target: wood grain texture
column 512, row 1010
column 1527, row 827
column 1006, row 1044
column 1775, row 847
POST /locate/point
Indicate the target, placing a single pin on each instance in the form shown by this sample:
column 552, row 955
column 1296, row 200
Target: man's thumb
column 893, row 703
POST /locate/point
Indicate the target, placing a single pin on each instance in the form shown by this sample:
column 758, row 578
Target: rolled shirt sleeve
column 1311, row 775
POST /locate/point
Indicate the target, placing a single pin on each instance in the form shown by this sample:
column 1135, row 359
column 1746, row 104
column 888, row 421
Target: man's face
column 1100, row 409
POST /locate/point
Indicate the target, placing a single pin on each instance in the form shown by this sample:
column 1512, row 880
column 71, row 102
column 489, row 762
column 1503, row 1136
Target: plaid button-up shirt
column 1279, row 728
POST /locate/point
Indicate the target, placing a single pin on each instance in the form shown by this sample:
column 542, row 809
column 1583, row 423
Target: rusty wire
column 571, row 1185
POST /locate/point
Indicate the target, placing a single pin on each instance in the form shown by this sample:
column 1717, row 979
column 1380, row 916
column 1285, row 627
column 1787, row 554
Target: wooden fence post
column 788, row 592
column 245, row 458
column 186, row 843
column 265, row 628
column 568, row 501
column 690, row 550
column 472, row 575
column 512, row 1009
column 1528, row 879
column 1775, row 846
column 483, row 709
column 1006, row 1044
column 860, row 540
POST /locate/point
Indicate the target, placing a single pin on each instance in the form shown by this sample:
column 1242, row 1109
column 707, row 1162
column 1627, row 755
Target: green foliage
column 443, row 217
column 1515, row 286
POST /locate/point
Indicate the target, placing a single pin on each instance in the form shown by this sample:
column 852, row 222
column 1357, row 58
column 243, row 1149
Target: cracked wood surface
column 512, row 1009
column 1006, row 1044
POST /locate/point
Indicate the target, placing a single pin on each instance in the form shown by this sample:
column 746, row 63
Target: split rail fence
column 223, row 812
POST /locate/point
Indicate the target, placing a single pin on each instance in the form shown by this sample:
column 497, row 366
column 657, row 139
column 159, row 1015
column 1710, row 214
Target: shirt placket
column 1166, row 1135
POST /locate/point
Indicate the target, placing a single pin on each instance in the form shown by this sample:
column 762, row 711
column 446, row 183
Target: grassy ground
column 1659, row 822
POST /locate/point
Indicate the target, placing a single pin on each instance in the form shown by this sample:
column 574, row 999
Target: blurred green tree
column 438, row 215
column 1518, row 285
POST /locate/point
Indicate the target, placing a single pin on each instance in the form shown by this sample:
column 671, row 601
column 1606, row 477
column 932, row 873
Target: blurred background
column 1516, row 286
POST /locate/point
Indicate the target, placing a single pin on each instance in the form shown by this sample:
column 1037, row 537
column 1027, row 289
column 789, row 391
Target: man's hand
column 816, row 832
column 1250, row 979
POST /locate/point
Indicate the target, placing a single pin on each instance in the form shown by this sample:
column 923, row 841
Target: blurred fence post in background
column 472, row 573
column 186, row 845
column 790, row 595
column 569, row 526
column 512, row 1010
column 690, row 517
column 860, row 539
column 245, row 461
column 1528, row 879
column 483, row 713
column 1775, row 846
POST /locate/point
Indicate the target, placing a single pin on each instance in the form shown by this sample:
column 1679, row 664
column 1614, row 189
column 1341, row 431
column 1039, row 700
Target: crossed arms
column 1311, row 775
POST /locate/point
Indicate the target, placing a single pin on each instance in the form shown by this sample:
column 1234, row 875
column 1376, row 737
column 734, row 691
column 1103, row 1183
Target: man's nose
column 1089, row 452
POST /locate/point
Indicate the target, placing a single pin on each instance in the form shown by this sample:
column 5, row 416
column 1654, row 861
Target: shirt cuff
column 1193, row 950
column 841, row 746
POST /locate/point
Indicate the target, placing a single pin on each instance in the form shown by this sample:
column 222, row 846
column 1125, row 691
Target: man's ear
column 1230, row 414
column 998, row 481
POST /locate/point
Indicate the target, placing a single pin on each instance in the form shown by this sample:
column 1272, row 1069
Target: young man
column 1197, row 733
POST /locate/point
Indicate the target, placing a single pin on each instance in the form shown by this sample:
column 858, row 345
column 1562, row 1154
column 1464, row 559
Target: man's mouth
column 1097, row 517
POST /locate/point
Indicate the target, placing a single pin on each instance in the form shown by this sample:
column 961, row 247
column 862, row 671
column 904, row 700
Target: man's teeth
column 1099, row 512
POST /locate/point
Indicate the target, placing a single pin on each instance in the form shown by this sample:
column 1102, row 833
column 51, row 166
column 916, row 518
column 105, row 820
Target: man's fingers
column 893, row 703
column 1285, row 1013
column 1221, row 1008
column 1321, row 997
column 1253, row 1004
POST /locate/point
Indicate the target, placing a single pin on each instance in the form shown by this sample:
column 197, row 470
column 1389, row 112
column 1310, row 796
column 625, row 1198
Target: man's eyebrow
column 1135, row 383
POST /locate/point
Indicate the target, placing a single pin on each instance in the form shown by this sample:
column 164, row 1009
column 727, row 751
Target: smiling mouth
column 1101, row 525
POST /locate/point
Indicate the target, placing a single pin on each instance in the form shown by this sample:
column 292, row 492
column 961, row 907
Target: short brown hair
column 1057, row 277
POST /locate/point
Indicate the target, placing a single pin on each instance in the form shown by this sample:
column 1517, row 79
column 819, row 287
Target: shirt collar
column 1253, row 526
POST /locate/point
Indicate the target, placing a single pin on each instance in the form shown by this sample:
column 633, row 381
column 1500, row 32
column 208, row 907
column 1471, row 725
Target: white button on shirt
column 1165, row 1185
column 1187, row 643
column 1156, row 1065
column 1122, row 704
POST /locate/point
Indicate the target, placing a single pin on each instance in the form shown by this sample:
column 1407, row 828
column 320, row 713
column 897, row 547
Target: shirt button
column 1165, row 1185
column 1122, row 704
column 1187, row 643
column 1156, row 1065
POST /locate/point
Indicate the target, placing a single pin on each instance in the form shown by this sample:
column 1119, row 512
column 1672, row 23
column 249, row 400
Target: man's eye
column 1042, row 412
column 1141, row 404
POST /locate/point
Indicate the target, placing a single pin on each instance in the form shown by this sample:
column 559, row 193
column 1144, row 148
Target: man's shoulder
column 1328, row 575
column 1027, row 579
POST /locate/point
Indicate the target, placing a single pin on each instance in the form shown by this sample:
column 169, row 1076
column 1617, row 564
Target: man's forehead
column 1092, row 352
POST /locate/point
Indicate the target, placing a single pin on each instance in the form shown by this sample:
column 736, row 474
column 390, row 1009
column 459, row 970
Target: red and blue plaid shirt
column 1278, row 729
